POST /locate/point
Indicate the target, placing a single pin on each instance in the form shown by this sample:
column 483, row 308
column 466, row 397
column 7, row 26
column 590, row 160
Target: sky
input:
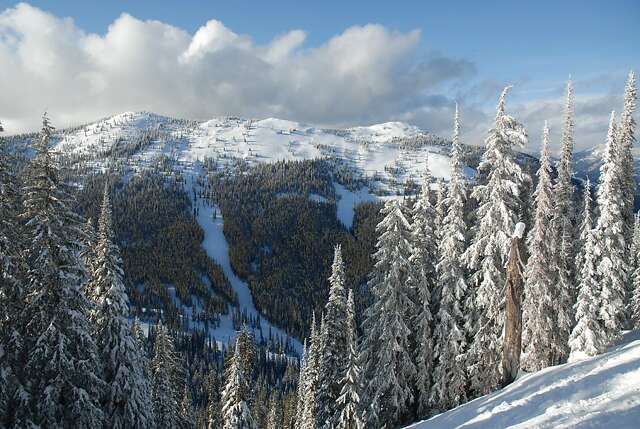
column 329, row 63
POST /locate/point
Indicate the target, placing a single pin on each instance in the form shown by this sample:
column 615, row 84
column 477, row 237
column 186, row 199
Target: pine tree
column 308, row 414
column 164, row 380
column 89, row 243
column 127, row 402
column 450, row 342
column 274, row 420
column 585, row 226
column 388, row 364
column 236, row 413
column 563, row 237
column 421, row 282
column 441, row 208
column 538, row 324
column 610, row 240
column 348, row 403
column 302, row 376
column 11, row 293
column 634, row 305
column 499, row 195
column 625, row 142
column 213, row 406
column 334, row 347
column 588, row 337
column 61, row 367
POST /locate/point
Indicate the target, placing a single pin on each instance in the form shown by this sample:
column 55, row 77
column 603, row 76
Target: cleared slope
column 601, row 392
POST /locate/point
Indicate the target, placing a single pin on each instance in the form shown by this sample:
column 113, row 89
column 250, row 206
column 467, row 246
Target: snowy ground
column 601, row 392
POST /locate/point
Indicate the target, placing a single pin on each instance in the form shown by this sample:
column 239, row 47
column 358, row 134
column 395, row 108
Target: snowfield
column 601, row 392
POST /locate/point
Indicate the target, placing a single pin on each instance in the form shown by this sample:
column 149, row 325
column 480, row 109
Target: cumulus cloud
column 364, row 75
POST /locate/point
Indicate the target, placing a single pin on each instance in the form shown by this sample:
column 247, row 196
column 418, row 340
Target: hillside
column 601, row 392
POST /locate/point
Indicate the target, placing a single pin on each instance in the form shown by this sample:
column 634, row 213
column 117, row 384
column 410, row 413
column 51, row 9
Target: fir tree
column 236, row 413
column 388, row 364
column 11, row 293
column 441, row 208
column 333, row 359
column 308, row 415
column 127, row 402
column 585, row 227
column 274, row 420
column 213, row 406
column 187, row 414
column 625, row 142
column 348, row 403
column 164, row 387
column 302, row 382
column 499, row 195
column 538, row 324
column 61, row 367
column 450, row 342
column 634, row 305
column 588, row 337
column 612, row 266
column 563, row 237
column 421, row 281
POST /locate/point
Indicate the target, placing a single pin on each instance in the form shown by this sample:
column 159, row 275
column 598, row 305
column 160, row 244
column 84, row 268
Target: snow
column 603, row 391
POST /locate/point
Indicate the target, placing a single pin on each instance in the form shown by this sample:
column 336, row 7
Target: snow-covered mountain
column 601, row 392
column 385, row 154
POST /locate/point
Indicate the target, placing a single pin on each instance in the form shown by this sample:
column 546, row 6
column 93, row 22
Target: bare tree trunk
column 513, row 311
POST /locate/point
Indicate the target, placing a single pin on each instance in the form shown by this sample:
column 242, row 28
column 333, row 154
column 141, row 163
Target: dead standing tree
column 513, row 310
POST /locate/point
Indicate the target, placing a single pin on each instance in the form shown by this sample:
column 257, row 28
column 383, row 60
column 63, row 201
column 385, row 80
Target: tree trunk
column 513, row 312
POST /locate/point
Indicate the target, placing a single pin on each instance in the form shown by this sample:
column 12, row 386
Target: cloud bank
column 364, row 75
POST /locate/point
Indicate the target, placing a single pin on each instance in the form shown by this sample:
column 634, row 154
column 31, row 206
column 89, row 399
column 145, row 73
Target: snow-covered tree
column 274, row 420
column 388, row 365
column 625, row 142
column 61, row 368
column 422, row 283
column 634, row 304
column 213, row 406
column 127, row 401
column 586, row 225
column 164, row 380
column 610, row 240
column 563, row 235
column 307, row 418
column 588, row 337
column 538, row 324
column 441, row 207
column 450, row 342
column 236, row 413
column 187, row 414
column 333, row 360
column 11, row 292
column 348, row 403
column 500, row 202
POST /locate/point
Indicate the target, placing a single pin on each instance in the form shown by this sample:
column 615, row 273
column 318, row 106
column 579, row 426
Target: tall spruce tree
column 563, row 237
column 301, row 383
column 450, row 340
column 500, row 202
column 422, row 282
column 625, row 141
column 610, row 241
column 213, row 405
column 307, row 418
column 236, row 413
column 127, row 401
column 348, row 403
column 164, row 380
column 61, row 365
column 538, row 324
column 388, row 364
column 187, row 413
column 333, row 360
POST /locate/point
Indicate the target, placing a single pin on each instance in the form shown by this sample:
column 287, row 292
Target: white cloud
column 365, row 74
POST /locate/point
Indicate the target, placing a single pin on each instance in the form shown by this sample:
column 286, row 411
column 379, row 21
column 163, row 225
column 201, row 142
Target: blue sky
column 464, row 51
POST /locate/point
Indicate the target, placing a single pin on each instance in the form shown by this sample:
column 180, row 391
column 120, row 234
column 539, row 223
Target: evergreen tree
column 127, row 402
column 500, row 199
column 441, row 208
column 164, row 380
column 634, row 305
column 11, row 293
column 213, row 406
column 187, row 414
column 563, row 237
column 87, row 255
column 334, row 345
column 274, row 420
column 388, row 364
column 236, row 413
column 610, row 241
column 61, row 364
column 302, row 376
column 585, row 226
column 450, row 342
column 348, row 403
column 538, row 324
column 625, row 142
column 308, row 415
column 588, row 337
column 421, row 282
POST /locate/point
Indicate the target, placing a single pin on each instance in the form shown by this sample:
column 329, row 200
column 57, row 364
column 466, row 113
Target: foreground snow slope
column 601, row 392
